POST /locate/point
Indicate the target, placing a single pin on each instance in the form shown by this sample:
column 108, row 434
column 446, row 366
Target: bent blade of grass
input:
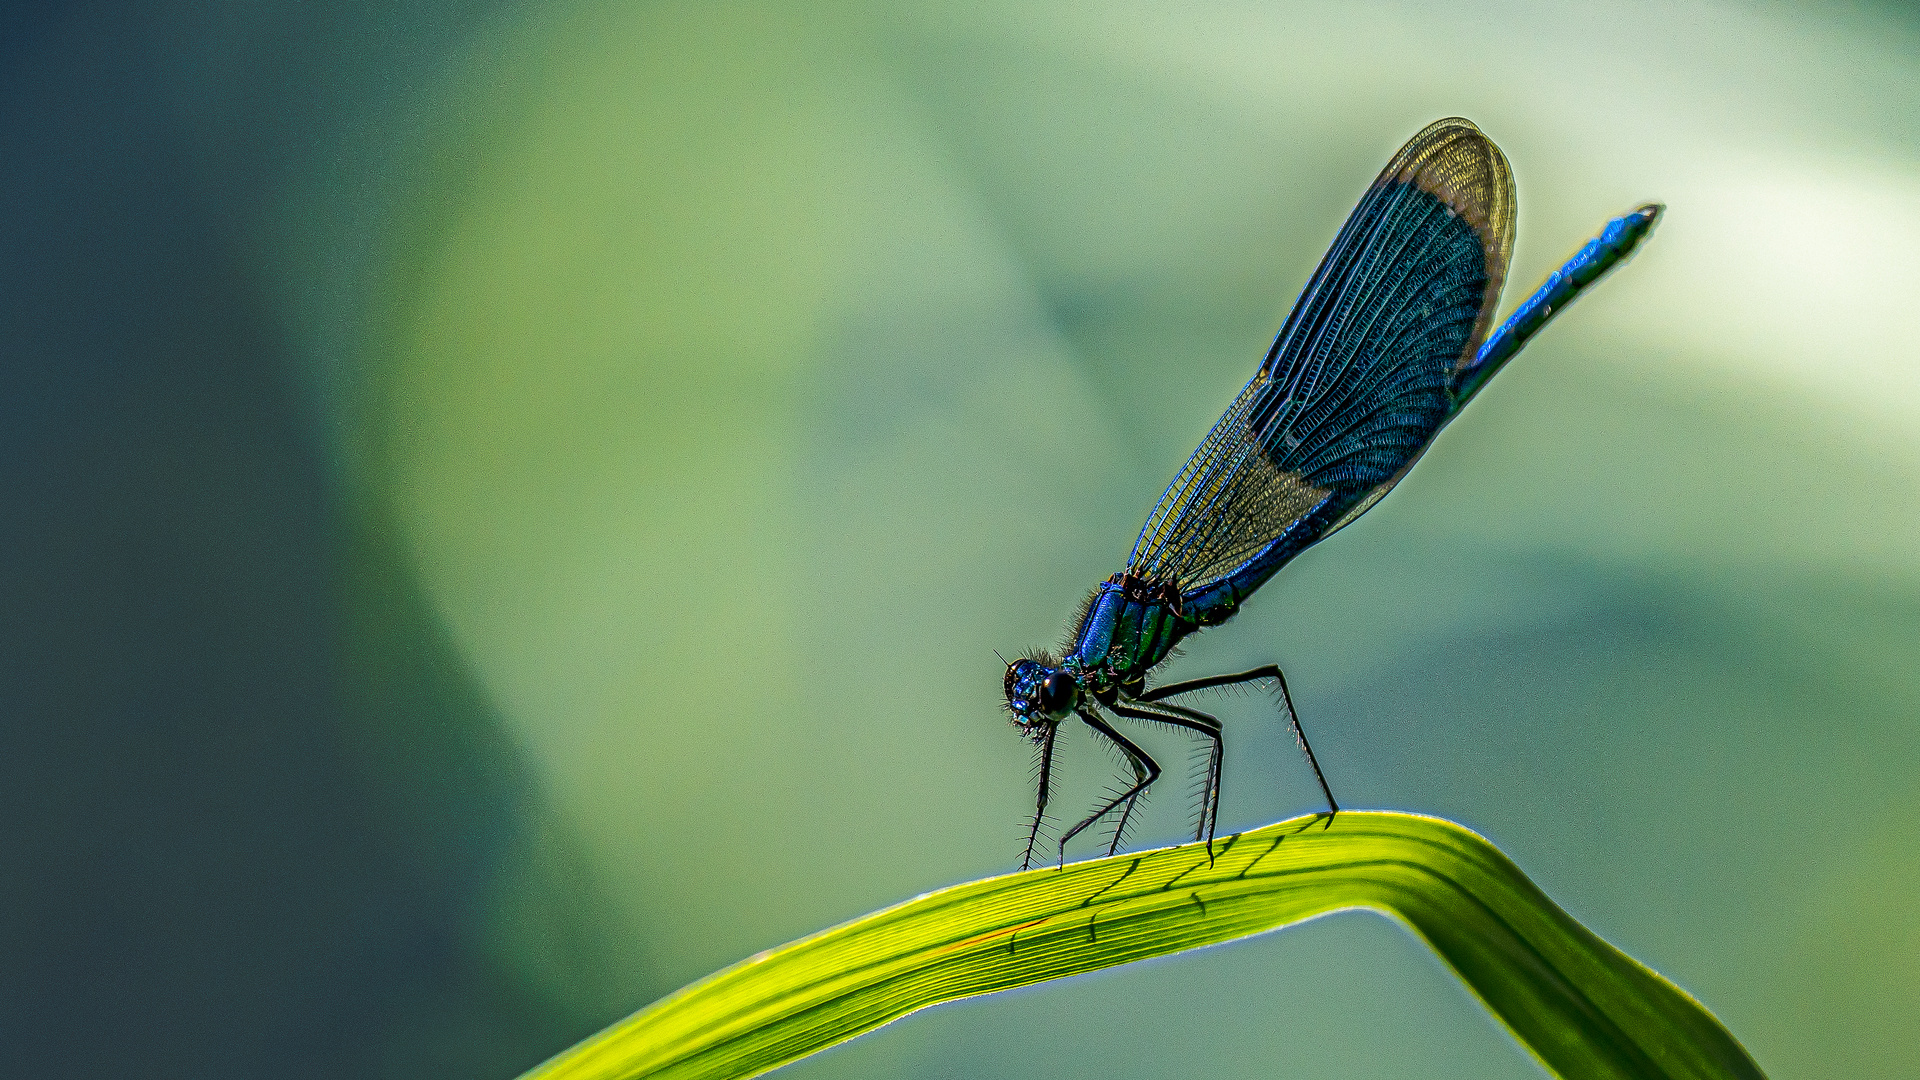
column 1582, row 1007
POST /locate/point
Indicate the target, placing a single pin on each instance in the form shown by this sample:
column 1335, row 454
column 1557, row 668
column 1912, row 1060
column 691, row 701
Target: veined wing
column 1361, row 376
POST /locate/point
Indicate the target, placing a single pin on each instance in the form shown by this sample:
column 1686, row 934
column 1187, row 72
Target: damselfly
column 1385, row 345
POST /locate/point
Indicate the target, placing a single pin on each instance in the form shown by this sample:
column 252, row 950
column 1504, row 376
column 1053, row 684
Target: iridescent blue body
column 1386, row 344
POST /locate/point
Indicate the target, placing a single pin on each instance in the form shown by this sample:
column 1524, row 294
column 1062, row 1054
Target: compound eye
column 1017, row 672
column 1057, row 693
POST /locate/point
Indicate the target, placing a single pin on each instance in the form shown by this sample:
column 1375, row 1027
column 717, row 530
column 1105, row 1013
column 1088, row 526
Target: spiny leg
column 1145, row 772
column 1040, row 807
column 1120, row 828
column 1210, row 727
column 1193, row 720
column 1268, row 671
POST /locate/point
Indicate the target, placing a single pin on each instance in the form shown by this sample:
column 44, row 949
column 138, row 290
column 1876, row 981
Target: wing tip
column 1455, row 162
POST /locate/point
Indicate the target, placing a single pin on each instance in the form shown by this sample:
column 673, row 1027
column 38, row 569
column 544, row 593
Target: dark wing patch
column 1356, row 384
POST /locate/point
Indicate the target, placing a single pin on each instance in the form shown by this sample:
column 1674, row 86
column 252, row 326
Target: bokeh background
column 509, row 507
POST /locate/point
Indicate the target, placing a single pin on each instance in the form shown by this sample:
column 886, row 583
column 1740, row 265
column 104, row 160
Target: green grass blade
column 1584, row 1008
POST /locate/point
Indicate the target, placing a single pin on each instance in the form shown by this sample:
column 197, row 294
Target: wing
column 1361, row 376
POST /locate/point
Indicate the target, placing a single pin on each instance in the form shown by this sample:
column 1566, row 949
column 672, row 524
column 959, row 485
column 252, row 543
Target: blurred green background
column 509, row 507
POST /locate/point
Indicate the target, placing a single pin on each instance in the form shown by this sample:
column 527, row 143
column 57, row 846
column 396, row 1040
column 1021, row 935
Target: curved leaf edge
column 1581, row 1007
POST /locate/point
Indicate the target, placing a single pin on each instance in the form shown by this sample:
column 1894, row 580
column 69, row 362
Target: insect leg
column 1193, row 720
column 1120, row 829
column 1268, row 671
column 1145, row 772
column 1040, row 807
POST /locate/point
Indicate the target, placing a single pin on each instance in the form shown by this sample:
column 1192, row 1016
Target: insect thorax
column 1131, row 624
